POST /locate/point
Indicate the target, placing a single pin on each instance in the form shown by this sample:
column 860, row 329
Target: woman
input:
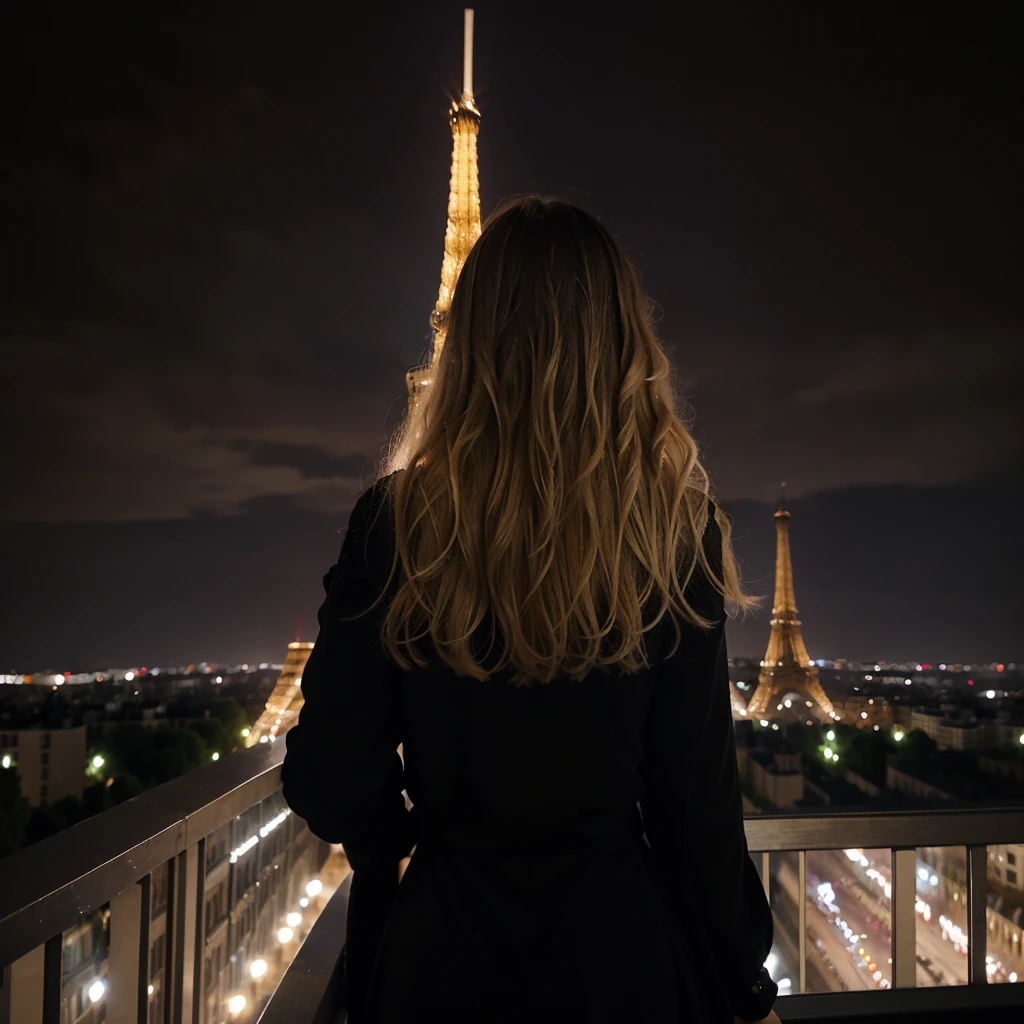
column 533, row 608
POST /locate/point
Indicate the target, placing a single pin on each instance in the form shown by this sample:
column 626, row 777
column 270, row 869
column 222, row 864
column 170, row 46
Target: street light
column 258, row 968
column 245, row 731
column 236, row 1004
column 6, row 762
column 898, row 735
column 314, row 887
column 284, row 935
column 96, row 990
column 98, row 762
column 294, row 919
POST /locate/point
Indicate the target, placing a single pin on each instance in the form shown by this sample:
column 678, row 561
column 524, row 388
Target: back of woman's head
column 550, row 489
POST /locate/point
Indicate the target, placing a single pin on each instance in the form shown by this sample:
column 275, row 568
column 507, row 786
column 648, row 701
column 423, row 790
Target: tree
column 151, row 756
column 14, row 811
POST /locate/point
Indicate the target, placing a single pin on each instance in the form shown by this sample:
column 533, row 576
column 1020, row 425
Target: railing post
column 123, row 957
column 25, row 978
column 977, row 925
column 801, row 916
column 183, row 933
column 52, row 978
column 198, row 972
column 904, row 923
column 765, row 867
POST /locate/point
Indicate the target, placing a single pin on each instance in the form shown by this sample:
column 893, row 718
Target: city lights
column 284, row 935
column 304, row 902
column 830, row 735
column 314, row 887
column 215, row 756
column 294, row 919
column 244, row 848
column 273, row 823
column 150, row 990
column 236, row 1004
column 245, row 731
column 97, row 761
column 96, row 991
column 6, row 762
column 898, row 735
column 258, row 968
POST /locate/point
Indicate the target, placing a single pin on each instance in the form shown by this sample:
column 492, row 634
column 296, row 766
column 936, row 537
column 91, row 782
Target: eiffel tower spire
column 463, row 208
column 787, row 667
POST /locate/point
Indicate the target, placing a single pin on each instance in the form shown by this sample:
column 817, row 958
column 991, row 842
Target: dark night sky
column 222, row 238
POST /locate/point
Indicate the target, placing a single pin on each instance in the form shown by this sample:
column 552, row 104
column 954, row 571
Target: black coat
column 534, row 893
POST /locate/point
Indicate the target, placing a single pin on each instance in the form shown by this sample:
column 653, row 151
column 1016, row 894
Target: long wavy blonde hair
column 550, row 491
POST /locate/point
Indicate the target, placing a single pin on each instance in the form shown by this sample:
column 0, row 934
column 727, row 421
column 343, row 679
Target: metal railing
column 161, row 850
column 132, row 915
column 311, row 985
column 903, row 833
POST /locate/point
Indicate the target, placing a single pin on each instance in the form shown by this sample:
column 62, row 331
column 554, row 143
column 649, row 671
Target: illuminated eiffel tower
column 283, row 706
column 463, row 230
column 463, row 210
column 787, row 669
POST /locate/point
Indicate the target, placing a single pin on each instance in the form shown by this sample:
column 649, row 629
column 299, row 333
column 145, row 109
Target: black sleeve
column 342, row 771
column 692, row 806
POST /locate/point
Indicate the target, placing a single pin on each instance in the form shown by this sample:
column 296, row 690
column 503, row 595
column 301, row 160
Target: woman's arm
column 692, row 808
column 342, row 772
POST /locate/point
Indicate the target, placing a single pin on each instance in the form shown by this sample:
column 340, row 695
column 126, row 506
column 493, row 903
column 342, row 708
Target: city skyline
column 217, row 376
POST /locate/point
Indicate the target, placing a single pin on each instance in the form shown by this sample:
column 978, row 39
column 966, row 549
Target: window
column 44, row 774
column 44, row 791
column 1011, row 858
column 1011, row 876
column 44, row 742
column 44, row 757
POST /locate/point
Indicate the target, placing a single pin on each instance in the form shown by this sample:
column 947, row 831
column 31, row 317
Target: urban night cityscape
column 228, row 276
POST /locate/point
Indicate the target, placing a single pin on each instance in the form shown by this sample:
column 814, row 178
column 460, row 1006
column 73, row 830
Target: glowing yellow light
column 236, row 1004
column 258, row 968
column 245, row 732
column 314, row 887
column 284, row 935
column 294, row 919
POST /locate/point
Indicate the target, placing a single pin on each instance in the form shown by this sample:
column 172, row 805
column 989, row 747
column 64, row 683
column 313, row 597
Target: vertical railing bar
column 904, row 923
column 977, row 925
column 801, row 860
column 169, row 932
column 179, row 938
column 52, row 978
column 198, row 992
column 145, row 915
column 765, row 867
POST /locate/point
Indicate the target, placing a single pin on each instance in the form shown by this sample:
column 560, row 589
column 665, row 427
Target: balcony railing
column 900, row 835
column 156, row 911
column 126, row 907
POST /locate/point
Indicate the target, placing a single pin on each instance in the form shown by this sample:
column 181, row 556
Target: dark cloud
column 312, row 463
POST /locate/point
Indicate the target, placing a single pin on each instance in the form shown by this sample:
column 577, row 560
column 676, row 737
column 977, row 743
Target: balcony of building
column 205, row 901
